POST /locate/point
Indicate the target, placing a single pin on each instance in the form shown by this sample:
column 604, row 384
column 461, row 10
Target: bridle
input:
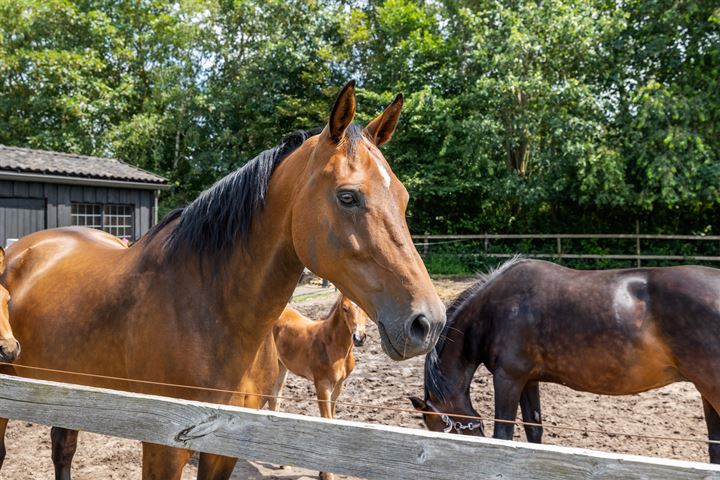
column 459, row 426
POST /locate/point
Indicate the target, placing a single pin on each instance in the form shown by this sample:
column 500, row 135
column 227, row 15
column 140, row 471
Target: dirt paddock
column 673, row 411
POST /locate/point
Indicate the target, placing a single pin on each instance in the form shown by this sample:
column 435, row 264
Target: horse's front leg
column 335, row 394
column 507, row 396
column 215, row 467
column 530, row 408
column 163, row 463
column 324, row 389
column 64, row 444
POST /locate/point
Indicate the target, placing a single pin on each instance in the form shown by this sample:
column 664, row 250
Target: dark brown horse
column 193, row 301
column 612, row 332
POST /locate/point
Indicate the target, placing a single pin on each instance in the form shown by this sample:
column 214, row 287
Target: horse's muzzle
column 415, row 336
column 358, row 340
column 9, row 349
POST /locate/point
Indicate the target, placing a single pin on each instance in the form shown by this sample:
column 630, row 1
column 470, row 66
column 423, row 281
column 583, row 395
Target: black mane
column 221, row 215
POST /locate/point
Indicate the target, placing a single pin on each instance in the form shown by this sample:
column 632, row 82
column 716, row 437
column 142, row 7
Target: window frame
column 109, row 215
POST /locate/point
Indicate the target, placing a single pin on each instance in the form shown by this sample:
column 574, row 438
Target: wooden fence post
column 426, row 244
column 637, row 242
column 559, row 249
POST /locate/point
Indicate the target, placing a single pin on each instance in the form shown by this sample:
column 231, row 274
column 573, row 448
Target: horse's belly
column 625, row 370
column 620, row 383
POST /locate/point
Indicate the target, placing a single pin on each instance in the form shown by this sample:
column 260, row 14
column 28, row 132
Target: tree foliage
column 558, row 115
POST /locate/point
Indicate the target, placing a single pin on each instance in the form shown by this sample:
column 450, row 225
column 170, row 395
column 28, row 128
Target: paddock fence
column 351, row 448
column 631, row 249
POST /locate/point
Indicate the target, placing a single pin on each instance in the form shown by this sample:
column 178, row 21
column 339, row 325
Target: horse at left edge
column 192, row 302
column 9, row 346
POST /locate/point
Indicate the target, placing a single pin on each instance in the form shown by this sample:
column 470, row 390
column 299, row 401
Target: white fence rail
column 424, row 242
column 368, row 451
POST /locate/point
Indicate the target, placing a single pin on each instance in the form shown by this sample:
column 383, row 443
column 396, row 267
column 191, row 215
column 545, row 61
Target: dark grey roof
column 25, row 160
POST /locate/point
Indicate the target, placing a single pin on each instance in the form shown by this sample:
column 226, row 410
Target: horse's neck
column 336, row 330
column 462, row 352
column 264, row 273
column 245, row 297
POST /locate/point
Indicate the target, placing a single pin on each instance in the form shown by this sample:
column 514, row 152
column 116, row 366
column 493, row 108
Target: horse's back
column 44, row 262
column 66, row 238
column 291, row 325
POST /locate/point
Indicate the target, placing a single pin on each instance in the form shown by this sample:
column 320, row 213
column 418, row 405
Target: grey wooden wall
column 21, row 205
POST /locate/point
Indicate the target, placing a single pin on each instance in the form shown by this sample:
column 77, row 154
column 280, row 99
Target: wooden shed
column 41, row 189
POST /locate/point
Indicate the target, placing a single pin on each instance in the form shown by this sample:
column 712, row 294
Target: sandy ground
column 672, row 411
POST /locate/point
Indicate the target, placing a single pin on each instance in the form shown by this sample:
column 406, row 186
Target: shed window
column 115, row 219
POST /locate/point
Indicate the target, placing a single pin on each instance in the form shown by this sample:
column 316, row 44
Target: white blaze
column 380, row 163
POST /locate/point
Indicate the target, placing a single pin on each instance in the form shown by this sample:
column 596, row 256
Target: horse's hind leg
column 3, row 426
column 712, row 419
column 530, row 408
column 64, row 444
column 215, row 467
column 507, row 396
column 163, row 463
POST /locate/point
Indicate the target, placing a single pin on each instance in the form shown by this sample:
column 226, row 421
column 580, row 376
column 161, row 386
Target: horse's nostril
column 419, row 329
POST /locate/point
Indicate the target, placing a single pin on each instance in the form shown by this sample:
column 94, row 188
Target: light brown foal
column 320, row 351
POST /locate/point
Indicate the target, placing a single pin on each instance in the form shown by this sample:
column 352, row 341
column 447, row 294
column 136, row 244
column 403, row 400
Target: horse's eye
column 348, row 198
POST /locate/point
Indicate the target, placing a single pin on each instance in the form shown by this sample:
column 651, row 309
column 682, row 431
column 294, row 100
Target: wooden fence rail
column 426, row 241
column 364, row 450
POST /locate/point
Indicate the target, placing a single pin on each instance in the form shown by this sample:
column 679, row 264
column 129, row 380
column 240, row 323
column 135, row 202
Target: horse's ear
column 2, row 260
column 382, row 128
column 343, row 112
column 419, row 404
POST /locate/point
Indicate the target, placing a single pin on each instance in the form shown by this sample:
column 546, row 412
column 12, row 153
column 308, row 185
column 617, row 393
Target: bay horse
column 192, row 301
column 611, row 332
